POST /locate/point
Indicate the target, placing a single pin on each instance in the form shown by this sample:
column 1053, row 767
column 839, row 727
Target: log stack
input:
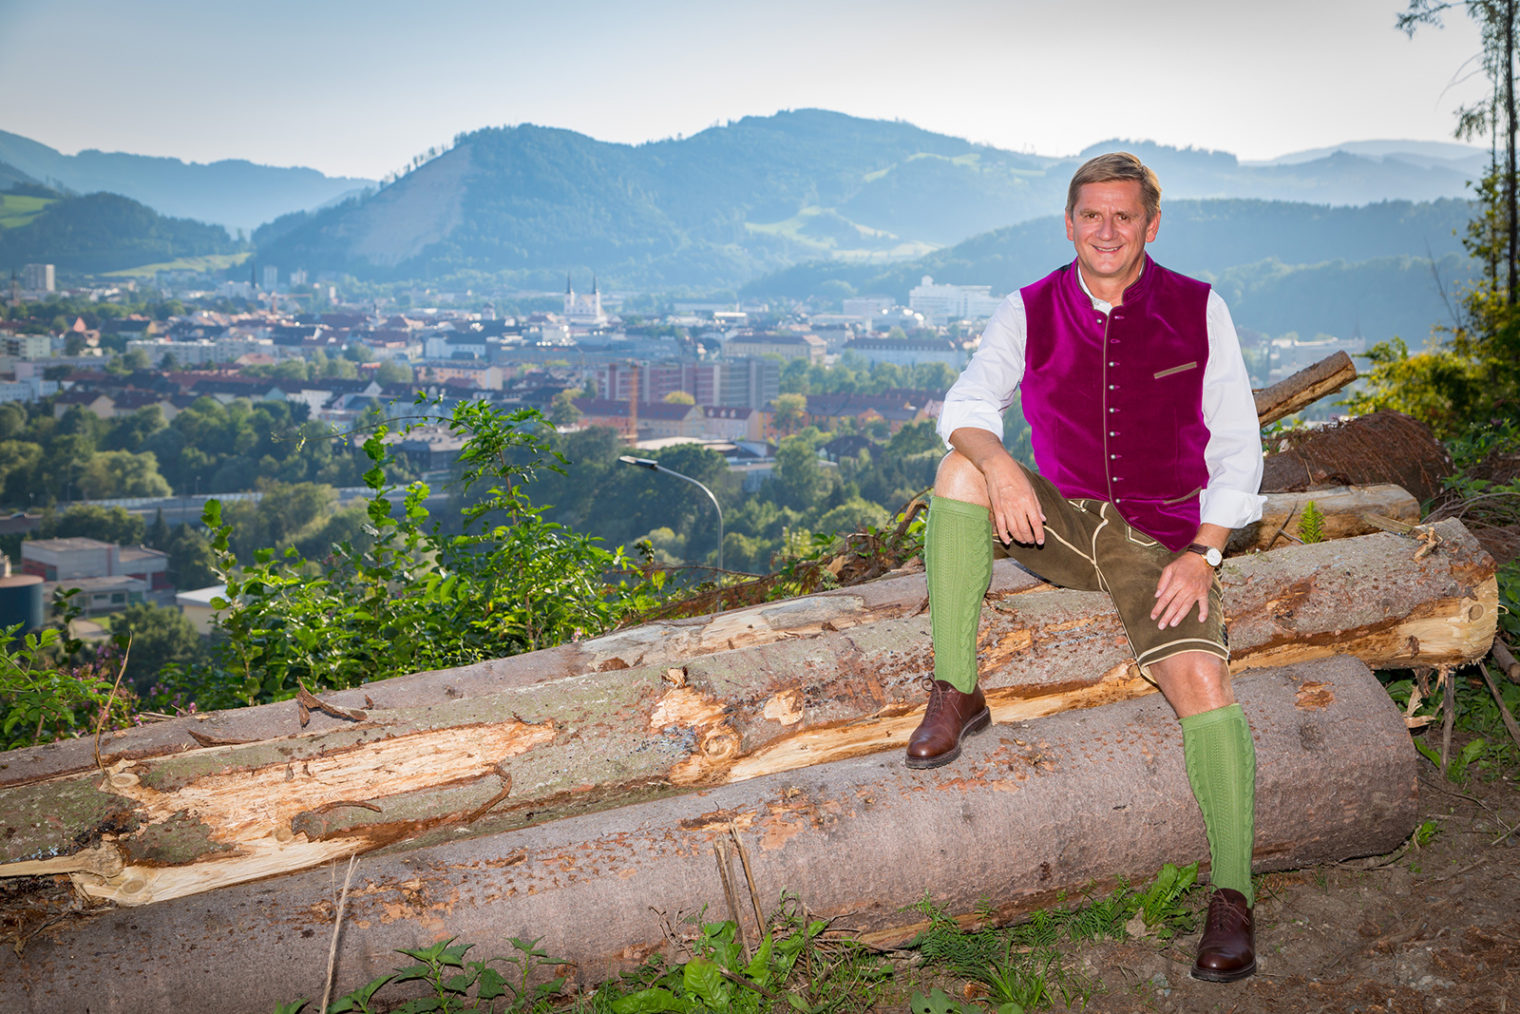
column 670, row 729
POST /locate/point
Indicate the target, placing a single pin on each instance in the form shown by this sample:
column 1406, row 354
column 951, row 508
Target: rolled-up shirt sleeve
column 1233, row 454
column 985, row 390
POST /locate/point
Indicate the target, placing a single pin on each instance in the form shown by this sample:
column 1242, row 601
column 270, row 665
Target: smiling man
column 1148, row 452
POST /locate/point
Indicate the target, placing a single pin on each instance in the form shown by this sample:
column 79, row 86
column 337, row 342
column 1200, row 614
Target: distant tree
column 1496, row 20
column 131, row 432
column 393, row 372
column 134, row 359
column 158, row 533
column 562, row 410
column 91, row 521
column 12, row 420
column 679, row 398
column 800, row 477
column 915, row 438
column 160, row 636
column 192, row 564
column 790, row 411
column 851, row 516
column 121, row 473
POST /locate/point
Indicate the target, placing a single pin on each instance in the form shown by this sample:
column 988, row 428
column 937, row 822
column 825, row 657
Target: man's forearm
column 1212, row 535
column 978, row 446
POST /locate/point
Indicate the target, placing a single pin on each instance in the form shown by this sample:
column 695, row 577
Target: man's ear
column 1150, row 227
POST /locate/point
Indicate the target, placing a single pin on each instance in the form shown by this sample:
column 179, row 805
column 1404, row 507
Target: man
column 1146, row 439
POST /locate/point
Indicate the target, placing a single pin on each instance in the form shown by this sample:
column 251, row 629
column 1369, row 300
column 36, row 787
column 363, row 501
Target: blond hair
column 1118, row 165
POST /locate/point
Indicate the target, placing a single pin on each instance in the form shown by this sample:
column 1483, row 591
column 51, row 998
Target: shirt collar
column 1098, row 304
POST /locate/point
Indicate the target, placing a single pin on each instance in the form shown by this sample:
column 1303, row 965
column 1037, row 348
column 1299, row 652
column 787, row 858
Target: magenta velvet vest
column 1115, row 401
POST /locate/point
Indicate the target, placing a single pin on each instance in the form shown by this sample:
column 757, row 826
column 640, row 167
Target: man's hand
column 1016, row 514
column 1184, row 583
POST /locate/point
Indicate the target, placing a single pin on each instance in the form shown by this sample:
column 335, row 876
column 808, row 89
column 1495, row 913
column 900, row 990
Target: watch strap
column 1206, row 552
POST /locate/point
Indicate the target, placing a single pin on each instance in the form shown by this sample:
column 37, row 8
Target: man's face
column 1109, row 228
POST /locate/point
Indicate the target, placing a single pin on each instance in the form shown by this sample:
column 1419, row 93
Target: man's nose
column 1106, row 226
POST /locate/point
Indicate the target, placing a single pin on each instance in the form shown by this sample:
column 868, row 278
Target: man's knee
column 1193, row 682
column 958, row 479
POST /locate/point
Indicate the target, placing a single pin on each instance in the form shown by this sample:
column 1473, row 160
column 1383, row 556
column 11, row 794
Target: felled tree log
column 154, row 828
column 1030, row 810
column 1343, row 507
column 665, row 642
column 1304, row 388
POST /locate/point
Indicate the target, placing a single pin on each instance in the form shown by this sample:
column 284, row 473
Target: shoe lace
column 936, row 695
column 1225, row 914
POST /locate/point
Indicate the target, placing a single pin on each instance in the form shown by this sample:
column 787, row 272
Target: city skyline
column 358, row 90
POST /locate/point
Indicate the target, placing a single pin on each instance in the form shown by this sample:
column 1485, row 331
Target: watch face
column 1214, row 556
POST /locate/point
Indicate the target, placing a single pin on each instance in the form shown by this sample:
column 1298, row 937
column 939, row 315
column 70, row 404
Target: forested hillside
column 732, row 202
column 98, row 233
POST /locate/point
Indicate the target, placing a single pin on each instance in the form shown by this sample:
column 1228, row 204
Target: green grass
column 17, row 210
column 209, row 262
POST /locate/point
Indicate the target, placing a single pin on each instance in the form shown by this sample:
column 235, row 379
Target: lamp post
column 655, row 466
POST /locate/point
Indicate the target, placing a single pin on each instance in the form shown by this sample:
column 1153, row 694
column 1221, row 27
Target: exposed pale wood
column 662, row 642
column 1304, row 388
column 412, row 776
column 1344, row 509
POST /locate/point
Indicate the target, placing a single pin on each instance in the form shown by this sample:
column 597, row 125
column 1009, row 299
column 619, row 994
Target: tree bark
column 1304, row 388
column 1029, row 811
column 1344, row 509
column 152, row 828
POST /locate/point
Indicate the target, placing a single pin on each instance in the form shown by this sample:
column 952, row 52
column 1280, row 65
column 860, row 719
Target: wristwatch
column 1209, row 553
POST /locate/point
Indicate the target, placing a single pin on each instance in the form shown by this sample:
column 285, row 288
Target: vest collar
column 1136, row 290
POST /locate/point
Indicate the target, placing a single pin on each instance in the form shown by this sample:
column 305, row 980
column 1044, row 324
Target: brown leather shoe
column 950, row 717
column 1228, row 949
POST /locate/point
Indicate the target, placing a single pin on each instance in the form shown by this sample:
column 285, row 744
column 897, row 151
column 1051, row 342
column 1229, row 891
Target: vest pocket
column 1182, row 499
column 1176, row 369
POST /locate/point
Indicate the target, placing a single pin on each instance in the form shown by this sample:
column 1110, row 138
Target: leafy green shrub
column 53, row 686
column 410, row 598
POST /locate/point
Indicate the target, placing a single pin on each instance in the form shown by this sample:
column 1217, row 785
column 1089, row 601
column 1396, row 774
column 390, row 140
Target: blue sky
column 358, row 88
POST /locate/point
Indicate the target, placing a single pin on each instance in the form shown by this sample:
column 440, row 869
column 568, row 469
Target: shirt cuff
column 1229, row 508
column 956, row 414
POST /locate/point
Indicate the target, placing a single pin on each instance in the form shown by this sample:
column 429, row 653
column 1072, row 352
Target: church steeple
column 569, row 291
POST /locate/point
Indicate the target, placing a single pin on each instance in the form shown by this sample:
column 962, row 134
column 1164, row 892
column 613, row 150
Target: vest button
column 1113, row 364
column 1110, row 387
column 1113, row 433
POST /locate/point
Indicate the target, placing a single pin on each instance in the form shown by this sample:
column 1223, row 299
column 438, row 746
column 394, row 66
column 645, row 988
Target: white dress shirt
column 1233, row 453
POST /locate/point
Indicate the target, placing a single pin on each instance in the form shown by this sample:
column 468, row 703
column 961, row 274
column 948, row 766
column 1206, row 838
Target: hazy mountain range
column 804, row 202
column 233, row 193
column 736, row 201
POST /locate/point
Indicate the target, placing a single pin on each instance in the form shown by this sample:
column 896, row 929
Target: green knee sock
column 1221, row 765
column 958, row 556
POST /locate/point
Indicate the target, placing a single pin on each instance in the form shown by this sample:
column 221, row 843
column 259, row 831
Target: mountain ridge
column 233, row 193
column 733, row 202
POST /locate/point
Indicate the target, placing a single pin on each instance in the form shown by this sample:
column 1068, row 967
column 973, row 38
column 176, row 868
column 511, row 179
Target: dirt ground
column 1429, row 928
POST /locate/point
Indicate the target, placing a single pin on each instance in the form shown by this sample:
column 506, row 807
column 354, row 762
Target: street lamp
column 655, row 466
